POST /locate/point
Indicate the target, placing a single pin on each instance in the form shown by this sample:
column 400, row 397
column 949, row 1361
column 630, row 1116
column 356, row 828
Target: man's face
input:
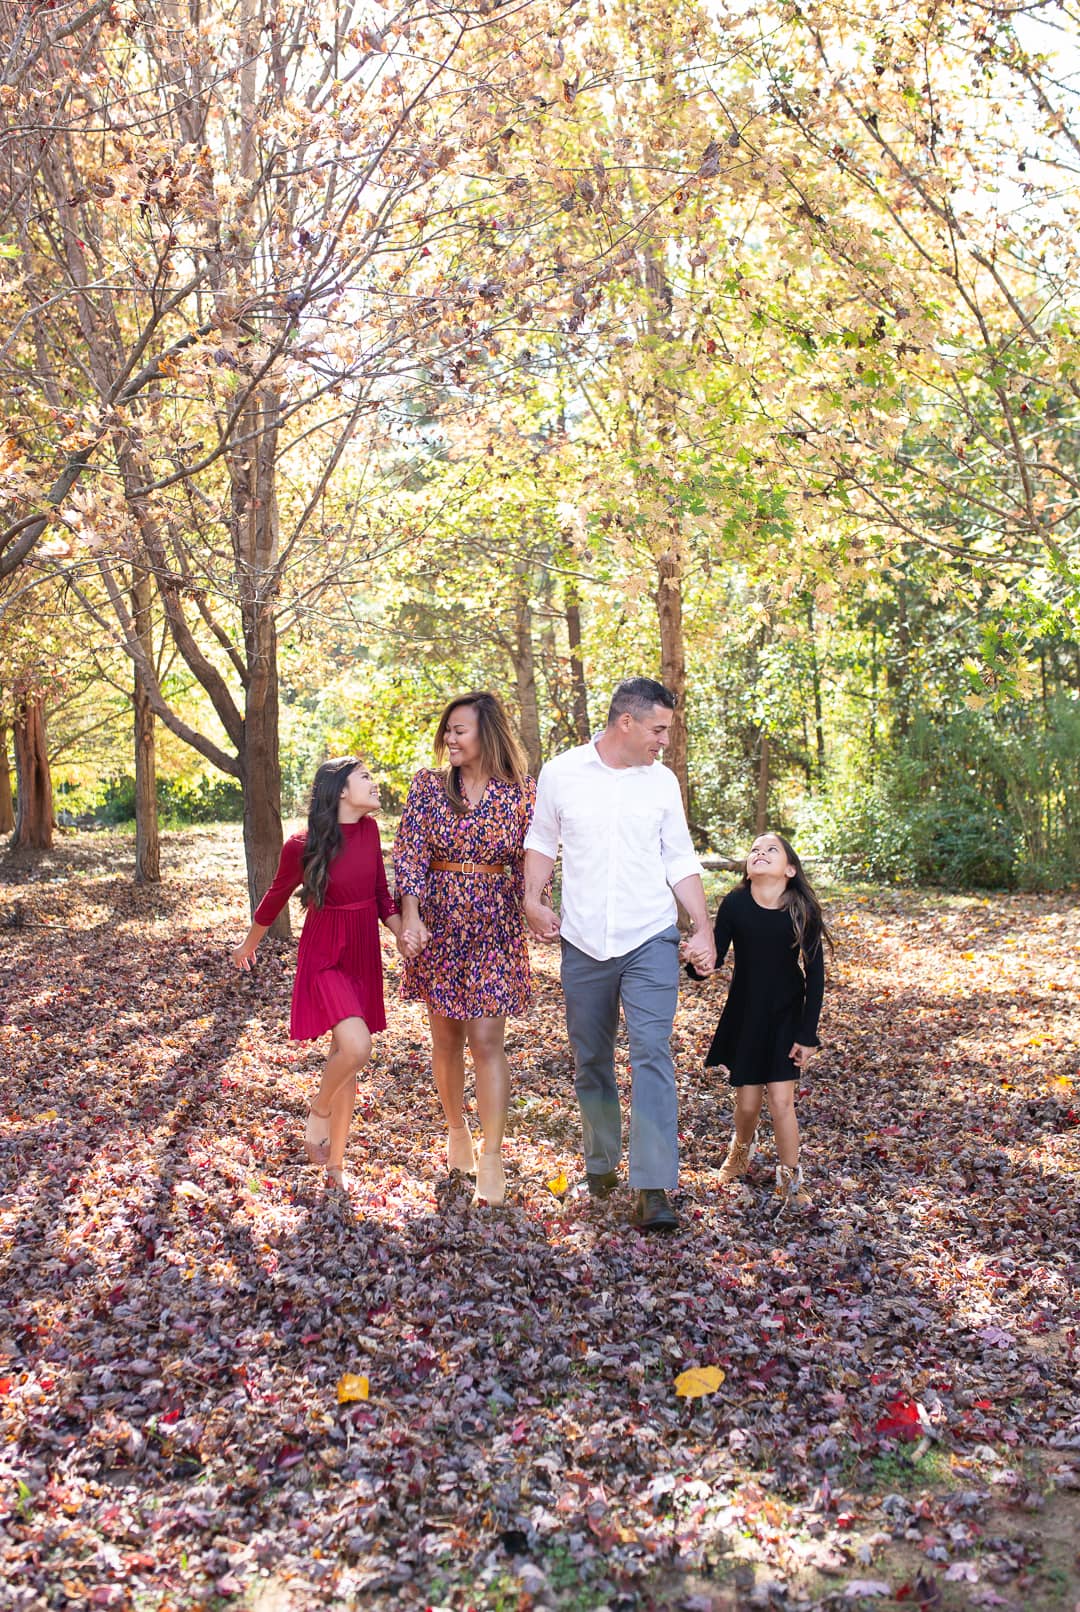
column 646, row 736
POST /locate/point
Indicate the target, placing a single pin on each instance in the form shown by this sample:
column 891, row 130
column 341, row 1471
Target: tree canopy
column 354, row 355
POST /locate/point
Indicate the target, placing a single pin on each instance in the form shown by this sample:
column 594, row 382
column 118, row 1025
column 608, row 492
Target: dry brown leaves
column 898, row 1420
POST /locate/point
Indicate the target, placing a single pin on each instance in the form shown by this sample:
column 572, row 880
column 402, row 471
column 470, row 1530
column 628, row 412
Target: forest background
column 354, row 356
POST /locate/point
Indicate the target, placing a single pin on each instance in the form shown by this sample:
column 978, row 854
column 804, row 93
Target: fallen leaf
column 698, row 1381
column 351, row 1388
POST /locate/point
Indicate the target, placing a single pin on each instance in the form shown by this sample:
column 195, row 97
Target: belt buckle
column 468, row 867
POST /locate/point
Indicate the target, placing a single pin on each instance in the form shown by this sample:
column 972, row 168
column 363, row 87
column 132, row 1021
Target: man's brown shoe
column 652, row 1212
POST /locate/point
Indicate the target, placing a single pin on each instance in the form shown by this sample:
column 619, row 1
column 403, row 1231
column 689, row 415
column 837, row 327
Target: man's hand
column 699, row 950
column 541, row 919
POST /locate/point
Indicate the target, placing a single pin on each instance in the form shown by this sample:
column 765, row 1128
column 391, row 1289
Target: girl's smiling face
column 361, row 792
column 767, row 859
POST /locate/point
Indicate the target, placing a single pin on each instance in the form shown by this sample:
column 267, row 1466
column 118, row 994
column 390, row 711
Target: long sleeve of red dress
column 289, row 877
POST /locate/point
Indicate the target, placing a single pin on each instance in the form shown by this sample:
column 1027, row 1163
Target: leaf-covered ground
column 899, row 1418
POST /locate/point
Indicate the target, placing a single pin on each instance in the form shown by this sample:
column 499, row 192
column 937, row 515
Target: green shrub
column 117, row 804
column 209, row 800
column 962, row 841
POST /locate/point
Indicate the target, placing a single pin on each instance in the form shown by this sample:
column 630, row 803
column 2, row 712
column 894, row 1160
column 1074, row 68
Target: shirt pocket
column 584, row 828
column 639, row 833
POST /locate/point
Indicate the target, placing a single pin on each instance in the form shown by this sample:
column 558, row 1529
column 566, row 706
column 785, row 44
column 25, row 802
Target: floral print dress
column 476, row 964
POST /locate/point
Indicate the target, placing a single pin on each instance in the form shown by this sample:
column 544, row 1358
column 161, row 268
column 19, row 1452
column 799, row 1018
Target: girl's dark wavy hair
column 501, row 755
column 802, row 903
column 323, row 828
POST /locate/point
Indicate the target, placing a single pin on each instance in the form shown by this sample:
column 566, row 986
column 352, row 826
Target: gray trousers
column 646, row 981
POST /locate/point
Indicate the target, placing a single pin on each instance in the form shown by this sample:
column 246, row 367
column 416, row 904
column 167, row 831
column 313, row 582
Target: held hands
column 801, row 1056
column 413, row 939
column 541, row 919
column 699, row 950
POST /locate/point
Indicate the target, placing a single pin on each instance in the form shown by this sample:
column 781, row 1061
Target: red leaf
column 901, row 1420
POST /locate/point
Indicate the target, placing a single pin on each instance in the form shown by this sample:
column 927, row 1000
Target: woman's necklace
column 473, row 790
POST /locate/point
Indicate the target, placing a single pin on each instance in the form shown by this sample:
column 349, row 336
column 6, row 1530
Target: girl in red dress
column 339, row 984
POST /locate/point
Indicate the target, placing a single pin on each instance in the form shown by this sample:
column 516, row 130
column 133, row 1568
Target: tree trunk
column 815, row 676
column 673, row 663
column 7, row 808
column 147, row 851
column 525, row 678
column 579, row 694
column 761, row 817
column 34, row 813
column 898, row 664
column 255, row 539
column 260, row 778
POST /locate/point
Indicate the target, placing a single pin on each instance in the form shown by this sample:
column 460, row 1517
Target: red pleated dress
column 339, row 961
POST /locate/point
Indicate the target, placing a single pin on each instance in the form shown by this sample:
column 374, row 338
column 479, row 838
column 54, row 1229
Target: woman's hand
column 541, row 918
column 801, row 1056
column 413, row 939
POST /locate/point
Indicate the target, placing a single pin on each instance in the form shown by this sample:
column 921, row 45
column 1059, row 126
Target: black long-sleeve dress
column 771, row 1003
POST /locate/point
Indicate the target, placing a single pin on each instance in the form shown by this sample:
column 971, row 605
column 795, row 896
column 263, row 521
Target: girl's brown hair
column 324, row 831
column 804, row 906
column 501, row 755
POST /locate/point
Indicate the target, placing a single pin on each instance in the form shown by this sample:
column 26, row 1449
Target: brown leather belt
column 468, row 867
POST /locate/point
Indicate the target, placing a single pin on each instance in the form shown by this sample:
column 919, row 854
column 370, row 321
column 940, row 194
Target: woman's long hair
column 323, row 828
column 501, row 755
column 807, row 917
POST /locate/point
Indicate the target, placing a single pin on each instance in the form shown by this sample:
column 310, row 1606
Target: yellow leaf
column 558, row 1184
column 697, row 1381
column 350, row 1388
column 969, row 957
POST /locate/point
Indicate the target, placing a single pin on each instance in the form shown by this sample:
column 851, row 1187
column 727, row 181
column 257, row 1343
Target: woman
column 339, row 980
column 458, row 862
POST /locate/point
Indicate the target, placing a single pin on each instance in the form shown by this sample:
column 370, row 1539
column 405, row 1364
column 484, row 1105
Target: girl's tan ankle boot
column 790, row 1190
column 738, row 1159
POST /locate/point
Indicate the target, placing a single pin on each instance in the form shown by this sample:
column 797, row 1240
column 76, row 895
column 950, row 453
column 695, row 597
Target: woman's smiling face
column 463, row 736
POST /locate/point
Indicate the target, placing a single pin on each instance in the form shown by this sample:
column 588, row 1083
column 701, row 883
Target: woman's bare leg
column 486, row 1043
column 448, row 1068
column 486, row 1038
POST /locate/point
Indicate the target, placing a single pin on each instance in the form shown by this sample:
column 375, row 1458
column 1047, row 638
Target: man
column 626, row 856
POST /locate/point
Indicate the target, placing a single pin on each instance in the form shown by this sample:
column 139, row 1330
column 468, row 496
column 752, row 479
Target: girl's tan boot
column 738, row 1159
column 790, row 1190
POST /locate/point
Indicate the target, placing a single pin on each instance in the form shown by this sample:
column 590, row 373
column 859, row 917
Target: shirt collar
column 594, row 755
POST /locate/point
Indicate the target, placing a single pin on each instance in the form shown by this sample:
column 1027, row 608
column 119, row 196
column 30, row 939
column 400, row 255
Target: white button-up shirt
column 625, row 843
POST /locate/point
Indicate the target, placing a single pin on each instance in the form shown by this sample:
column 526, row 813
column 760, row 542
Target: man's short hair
column 638, row 695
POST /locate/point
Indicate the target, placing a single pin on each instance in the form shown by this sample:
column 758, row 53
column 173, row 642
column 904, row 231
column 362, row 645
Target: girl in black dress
column 768, row 1030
